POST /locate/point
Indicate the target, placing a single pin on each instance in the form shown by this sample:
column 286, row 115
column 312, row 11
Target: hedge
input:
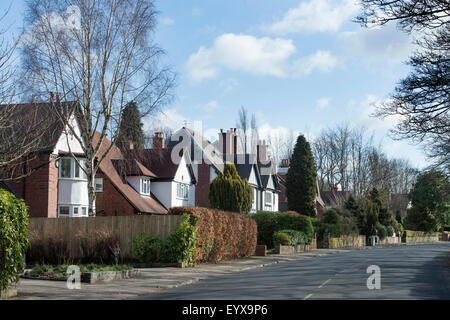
column 221, row 235
column 294, row 237
column 270, row 222
column 13, row 237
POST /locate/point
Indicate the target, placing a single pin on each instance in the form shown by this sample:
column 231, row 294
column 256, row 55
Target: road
column 406, row 272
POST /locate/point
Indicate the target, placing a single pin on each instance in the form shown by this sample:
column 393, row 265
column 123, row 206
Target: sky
column 300, row 65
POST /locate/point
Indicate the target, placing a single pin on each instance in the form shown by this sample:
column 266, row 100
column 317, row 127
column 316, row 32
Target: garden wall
column 420, row 237
column 348, row 241
column 389, row 241
column 221, row 235
column 69, row 230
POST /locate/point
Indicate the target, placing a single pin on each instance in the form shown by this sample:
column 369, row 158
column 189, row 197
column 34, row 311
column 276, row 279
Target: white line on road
column 324, row 283
column 308, row 296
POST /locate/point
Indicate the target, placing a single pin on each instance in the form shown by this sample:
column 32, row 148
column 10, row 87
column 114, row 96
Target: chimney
column 227, row 142
column 335, row 187
column 235, row 141
column 158, row 141
column 54, row 95
column 285, row 163
column 262, row 151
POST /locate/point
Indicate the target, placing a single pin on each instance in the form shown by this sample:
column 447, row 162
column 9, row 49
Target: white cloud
column 167, row 21
column 315, row 16
column 377, row 45
column 366, row 117
column 322, row 103
column 259, row 56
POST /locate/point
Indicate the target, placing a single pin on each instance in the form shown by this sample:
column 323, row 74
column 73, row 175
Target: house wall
column 111, row 202
column 74, row 144
column 204, row 175
column 163, row 192
column 40, row 190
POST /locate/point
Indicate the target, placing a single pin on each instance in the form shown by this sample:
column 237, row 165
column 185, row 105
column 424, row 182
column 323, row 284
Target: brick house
column 137, row 182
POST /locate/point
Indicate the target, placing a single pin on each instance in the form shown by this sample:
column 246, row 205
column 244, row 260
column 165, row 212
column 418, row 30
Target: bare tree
column 21, row 133
column 243, row 125
column 421, row 100
column 99, row 53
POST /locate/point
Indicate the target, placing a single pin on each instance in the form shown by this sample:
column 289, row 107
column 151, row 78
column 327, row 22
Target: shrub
column 270, row 222
column 282, row 238
column 291, row 211
column 296, row 237
column 181, row 243
column 147, row 248
column 381, row 231
column 221, row 235
column 390, row 231
column 331, row 217
column 229, row 192
column 103, row 248
column 13, row 237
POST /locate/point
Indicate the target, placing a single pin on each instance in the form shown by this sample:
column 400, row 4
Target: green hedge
column 269, row 222
column 295, row 237
column 13, row 237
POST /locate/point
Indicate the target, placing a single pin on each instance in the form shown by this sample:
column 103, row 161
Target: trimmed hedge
column 221, row 235
column 270, row 222
column 13, row 237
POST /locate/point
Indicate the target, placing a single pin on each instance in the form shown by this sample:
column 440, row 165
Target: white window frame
column 98, row 183
column 182, row 191
column 266, row 195
column 73, row 167
column 72, row 211
column 145, row 186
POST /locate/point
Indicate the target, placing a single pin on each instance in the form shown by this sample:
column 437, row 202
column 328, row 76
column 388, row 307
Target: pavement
column 342, row 270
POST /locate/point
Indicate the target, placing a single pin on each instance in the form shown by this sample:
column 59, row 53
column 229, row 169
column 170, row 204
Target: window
column 145, row 186
column 66, row 165
column 64, row 211
column 69, row 168
column 182, row 191
column 254, row 195
column 84, row 211
column 75, row 211
column 98, row 184
column 268, row 197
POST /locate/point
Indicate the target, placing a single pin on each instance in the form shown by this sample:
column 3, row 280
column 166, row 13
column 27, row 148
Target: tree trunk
column 91, row 189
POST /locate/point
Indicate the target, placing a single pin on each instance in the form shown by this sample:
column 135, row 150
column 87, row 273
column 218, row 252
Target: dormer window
column 145, row 186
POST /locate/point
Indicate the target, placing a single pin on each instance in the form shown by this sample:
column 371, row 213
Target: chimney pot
column 158, row 141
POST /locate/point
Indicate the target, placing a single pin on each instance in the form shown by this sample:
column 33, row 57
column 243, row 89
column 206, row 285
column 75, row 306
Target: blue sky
column 299, row 65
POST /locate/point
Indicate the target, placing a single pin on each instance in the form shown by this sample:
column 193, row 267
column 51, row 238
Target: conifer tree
column 301, row 179
column 131, row 128
column 229, row 192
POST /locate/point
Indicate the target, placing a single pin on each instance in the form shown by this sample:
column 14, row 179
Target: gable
column 67, row 140
column 270, row 183
column 252, row 179
column 184, row 173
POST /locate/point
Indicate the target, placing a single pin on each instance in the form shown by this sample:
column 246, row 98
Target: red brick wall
column 41, row 188
column 112, row 201
column 202, row 187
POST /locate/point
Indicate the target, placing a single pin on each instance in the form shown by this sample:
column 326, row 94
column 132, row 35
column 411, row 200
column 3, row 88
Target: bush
column 282, row 238
column 390, row 231
column 296, row 237
column 336, row 222
column 181, row 243
column 221, row 235
column 270, row 222
column 381, row 231
column 13, row 237
column 229, row 192
column 147, row 248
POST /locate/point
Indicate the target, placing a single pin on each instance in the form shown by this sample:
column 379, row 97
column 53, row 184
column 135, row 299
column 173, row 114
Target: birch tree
column 99, row 53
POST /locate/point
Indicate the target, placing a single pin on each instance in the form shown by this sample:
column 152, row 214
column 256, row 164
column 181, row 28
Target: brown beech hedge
column 222, row 235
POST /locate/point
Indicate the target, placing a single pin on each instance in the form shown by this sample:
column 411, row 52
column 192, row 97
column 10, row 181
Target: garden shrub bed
column 90, row 273
column 270, row 222
column 221, row 235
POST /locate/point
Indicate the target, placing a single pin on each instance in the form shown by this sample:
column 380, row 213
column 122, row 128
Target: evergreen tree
column 131, row 128
column 301, row 179
column 229, row 192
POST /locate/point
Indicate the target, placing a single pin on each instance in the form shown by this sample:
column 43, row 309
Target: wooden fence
column 124, row 227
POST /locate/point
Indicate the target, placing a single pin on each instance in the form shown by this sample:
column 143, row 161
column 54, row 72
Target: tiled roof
column 142, row 204
column 334, row 198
